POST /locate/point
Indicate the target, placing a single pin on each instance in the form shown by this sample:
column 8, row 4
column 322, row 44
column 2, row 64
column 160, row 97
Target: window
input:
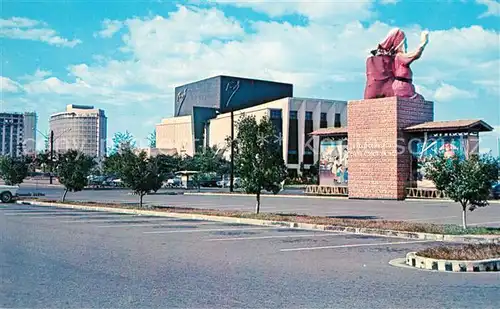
column 337, row 123
column 275, row 114
column 323, row 123
column 309, row 116
column 293, row 115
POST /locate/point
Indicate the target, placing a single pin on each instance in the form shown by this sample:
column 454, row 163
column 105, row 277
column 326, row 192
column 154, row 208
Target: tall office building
column 30, row 128
column 82, row 128
column 18, row 134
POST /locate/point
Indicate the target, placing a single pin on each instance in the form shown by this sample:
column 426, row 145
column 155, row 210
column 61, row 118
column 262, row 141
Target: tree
column 140, row 173
column 152, row 139
column 42, row 160
column 466, row 181
column 168, row 165
column 13, row 170
column 258, row 157
column 122, row 142
column 112, row 164
column 210, row 160
column 73, row 167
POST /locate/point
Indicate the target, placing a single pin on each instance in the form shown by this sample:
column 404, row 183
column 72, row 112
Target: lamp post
column 51, row 145
column 232, row 87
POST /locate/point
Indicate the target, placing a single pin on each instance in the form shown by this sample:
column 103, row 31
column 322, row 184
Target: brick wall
column 379, row 159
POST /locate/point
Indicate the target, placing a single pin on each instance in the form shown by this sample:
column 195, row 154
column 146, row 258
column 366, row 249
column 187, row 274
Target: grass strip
column 448, row 229
column 469, row 252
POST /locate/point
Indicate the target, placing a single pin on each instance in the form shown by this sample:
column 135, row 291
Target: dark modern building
column 204, row 99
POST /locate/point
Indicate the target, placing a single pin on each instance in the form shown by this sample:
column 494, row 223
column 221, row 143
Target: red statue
column 388, row 70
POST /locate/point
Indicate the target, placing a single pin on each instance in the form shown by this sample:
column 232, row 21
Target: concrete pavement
column 62, row 258
column 444, row 212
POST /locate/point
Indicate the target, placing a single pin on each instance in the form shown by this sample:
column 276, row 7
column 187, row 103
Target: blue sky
column 127, row 56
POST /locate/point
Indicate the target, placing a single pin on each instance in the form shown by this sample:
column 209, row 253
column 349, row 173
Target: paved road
column 63, row 258
column 416, row 211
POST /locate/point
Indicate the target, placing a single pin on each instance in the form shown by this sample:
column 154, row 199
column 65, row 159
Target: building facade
column 30, row 130
column 202, row 100
column 18, row 134
column 82, row 128
column 294, row 119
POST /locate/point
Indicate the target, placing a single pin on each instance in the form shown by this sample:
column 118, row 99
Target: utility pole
column 51, row 155
column 231, row 185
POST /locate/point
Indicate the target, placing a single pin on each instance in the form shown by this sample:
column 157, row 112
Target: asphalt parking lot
column 54, row 257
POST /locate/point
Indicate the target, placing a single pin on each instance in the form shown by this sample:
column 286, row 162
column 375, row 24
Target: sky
column 126, row 56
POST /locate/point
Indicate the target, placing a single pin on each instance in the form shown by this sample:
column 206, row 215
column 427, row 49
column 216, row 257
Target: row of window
column 276, row 114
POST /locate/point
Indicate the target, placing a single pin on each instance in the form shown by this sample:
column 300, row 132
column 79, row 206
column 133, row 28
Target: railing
column 424, row 193
column 327, row 190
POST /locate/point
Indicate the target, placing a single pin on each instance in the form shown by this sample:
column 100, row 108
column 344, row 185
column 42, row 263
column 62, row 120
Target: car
column 495, row 191
column 174, row 182
column 226, row 183
column 8, row 193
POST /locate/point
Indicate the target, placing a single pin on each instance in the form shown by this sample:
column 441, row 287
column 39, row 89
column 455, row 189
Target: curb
column 297, row 225
column 415, row 261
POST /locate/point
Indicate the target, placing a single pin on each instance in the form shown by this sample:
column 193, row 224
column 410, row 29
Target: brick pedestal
column 379, row 158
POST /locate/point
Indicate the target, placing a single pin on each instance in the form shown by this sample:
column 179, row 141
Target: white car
column 8, row 193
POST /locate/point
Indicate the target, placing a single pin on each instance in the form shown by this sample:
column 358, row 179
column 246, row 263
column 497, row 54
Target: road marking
column 98, row 217
column 154, row 224
column 271, row 237
column 208, row 230
column 357, row 245
column 96, row 220
column 54, row 214
column 491, row 222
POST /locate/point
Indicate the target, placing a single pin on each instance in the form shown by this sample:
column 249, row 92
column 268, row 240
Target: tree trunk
column 64, row 195
column 257, row 206
column 141, row 195
column 464, row 216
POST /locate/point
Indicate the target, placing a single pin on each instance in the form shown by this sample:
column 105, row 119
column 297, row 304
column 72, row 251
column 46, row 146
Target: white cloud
column 492, row 8
column 320, row 59
column 447, row 93
column 333, row 11
column 37, row 75
column 167, row 51
column 19, row 22
column 28, row 29
column 110, row 27
column 386, row 2
column 8, row 85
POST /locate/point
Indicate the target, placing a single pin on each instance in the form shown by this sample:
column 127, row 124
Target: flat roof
column 331, row 131
column 463, row 125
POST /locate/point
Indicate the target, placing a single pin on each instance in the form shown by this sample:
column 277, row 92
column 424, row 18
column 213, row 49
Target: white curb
column 413, row 260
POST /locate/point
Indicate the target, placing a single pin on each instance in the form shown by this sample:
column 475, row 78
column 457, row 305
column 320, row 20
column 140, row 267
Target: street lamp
column 233, row 86
column 52, row 139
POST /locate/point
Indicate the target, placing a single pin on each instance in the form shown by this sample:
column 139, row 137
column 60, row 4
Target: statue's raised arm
column 388, row 70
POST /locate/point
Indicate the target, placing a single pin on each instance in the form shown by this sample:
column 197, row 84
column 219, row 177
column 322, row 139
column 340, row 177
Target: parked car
column 173, row 182
column 226, row 183
column 495, row 191
column 8, row 193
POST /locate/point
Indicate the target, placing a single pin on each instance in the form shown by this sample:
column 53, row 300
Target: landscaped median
column 467, row 258
column 401, row 229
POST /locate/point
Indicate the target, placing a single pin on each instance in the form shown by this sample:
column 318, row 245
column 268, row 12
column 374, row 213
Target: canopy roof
column 469, row 125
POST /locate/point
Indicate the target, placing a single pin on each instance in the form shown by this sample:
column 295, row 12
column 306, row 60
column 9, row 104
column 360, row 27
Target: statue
column 388, row 70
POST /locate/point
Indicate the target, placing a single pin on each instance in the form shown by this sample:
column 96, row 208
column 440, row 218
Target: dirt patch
column 466, row 252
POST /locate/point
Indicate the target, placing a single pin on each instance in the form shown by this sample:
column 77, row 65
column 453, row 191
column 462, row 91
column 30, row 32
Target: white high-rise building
column 18, row 134
column 82, row 128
